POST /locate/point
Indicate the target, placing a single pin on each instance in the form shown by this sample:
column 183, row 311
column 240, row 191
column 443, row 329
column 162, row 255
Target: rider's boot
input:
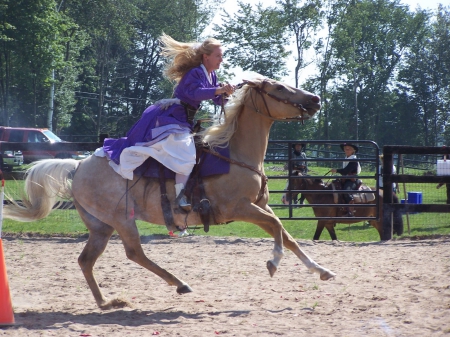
column 351, row 210
column 182, row 200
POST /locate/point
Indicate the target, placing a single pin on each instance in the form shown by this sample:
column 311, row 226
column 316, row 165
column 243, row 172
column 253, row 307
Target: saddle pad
column 209, row 165
column 364, row 198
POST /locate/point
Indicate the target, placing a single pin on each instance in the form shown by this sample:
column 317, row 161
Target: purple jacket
column 193, row 88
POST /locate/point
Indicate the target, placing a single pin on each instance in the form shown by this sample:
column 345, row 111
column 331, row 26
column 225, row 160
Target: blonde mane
column 220, row 133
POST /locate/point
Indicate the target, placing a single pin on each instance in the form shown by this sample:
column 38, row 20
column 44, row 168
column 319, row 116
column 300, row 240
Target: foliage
column 255, row 40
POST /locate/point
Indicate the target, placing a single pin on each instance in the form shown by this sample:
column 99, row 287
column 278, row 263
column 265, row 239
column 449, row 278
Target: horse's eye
column 280, row 88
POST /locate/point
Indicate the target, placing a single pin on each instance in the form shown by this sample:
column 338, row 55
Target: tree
column 123, row 71
column 425, row 76
column 368, row 44
column 303, row 21
column 27, row 52
column 255, row 39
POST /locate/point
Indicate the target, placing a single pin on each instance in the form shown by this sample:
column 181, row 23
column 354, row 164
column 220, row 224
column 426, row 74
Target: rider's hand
column 166, row 102
column 227, row 89
column 333, row 170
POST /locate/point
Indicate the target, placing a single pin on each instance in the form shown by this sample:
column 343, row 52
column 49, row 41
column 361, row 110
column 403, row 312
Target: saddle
column 359, row 198
column 194, row 190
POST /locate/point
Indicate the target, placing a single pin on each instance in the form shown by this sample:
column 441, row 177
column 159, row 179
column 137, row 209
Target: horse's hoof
column 115, row 303
column 326, row 275
column 271, row 267
column 184, row 289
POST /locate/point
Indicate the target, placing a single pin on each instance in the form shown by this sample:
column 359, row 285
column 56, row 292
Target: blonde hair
column 183, row 56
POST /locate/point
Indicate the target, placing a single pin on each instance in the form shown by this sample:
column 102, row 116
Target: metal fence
column 324, row 154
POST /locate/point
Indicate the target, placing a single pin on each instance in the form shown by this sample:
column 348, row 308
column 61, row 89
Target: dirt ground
column 395, row 288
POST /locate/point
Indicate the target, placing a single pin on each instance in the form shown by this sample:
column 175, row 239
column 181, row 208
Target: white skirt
column 176, row 152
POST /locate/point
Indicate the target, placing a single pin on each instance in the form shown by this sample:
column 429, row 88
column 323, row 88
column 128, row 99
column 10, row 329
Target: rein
column 263, row 92
column 232, row 161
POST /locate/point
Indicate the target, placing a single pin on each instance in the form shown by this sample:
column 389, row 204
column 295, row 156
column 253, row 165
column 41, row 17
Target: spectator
column 299, row 165
column 349, row 168
column 380, row 175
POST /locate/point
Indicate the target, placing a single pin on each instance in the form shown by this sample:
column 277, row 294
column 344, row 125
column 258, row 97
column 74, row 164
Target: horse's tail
column 47, row 183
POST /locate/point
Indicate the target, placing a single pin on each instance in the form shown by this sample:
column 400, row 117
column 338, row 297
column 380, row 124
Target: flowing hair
column 183, row 56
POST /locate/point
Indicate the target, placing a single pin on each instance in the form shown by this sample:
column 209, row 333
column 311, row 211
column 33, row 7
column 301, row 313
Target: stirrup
column 184, row 204
column 182, row 233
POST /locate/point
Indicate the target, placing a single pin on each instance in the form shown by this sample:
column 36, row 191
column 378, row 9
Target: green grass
column 67, row 222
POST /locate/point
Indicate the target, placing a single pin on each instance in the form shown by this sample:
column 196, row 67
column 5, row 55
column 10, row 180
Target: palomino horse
column 104, row 203
column 305, row 184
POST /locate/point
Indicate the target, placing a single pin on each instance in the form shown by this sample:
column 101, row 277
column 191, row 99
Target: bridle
column 262, row 92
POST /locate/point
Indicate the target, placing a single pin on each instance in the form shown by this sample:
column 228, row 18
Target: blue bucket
column 414, row 197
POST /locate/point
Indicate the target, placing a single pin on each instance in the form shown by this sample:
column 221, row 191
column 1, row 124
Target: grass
column 68, row 223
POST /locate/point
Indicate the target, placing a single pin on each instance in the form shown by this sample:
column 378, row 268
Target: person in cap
column 380, row 175
column 299, row 165
column 447, row 185
column 349, row 168
column 298, row 154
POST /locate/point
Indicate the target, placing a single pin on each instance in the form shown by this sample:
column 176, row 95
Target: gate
column 325, row 153
column 389, row 179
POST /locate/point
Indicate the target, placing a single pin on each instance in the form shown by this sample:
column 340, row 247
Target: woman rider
column 164, row 131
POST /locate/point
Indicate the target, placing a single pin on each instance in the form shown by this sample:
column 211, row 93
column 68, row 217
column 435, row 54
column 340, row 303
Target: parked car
column 32, row 135
column 10, row 159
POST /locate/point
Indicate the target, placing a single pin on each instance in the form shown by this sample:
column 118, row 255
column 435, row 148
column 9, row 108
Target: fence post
column 102, row 137
column 387, row 196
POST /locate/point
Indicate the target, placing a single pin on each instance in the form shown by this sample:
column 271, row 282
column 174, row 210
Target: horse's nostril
column 315, row 99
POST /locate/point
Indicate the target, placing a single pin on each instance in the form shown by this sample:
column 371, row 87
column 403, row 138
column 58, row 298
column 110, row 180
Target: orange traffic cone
column 6, row 312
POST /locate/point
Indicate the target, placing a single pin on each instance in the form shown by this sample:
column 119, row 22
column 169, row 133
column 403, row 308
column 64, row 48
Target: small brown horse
column 107, row 202
column 305, row 184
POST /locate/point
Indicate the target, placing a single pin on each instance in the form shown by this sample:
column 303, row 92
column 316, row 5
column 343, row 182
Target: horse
column 310, row 183
column 106, row 202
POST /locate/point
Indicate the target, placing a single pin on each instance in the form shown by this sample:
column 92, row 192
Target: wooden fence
column 389, row 179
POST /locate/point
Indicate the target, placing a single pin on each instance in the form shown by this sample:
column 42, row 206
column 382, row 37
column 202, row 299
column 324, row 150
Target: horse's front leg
column 249, row 212
column 292, row 245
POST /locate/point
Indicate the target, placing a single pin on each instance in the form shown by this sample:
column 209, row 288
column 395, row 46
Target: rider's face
column 348, row 150
column 213, row 61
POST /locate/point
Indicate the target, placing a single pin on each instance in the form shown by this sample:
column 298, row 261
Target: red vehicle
column 31, row 135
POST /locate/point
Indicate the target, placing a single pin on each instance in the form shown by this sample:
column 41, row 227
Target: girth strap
column 232, row 161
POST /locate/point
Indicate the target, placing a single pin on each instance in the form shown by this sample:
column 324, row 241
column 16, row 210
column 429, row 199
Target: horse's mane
column 220, row 133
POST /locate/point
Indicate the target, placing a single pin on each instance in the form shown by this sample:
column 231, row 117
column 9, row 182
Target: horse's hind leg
column 99, row 234
column 319, row 228
column 130, row 238
column 330, row 228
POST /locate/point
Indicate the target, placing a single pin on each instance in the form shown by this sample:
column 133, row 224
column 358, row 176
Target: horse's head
column 306, row 184
column 280, row 101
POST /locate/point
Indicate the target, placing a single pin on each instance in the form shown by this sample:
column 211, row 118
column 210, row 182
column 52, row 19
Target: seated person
column 349, row 168
column 299, row 165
